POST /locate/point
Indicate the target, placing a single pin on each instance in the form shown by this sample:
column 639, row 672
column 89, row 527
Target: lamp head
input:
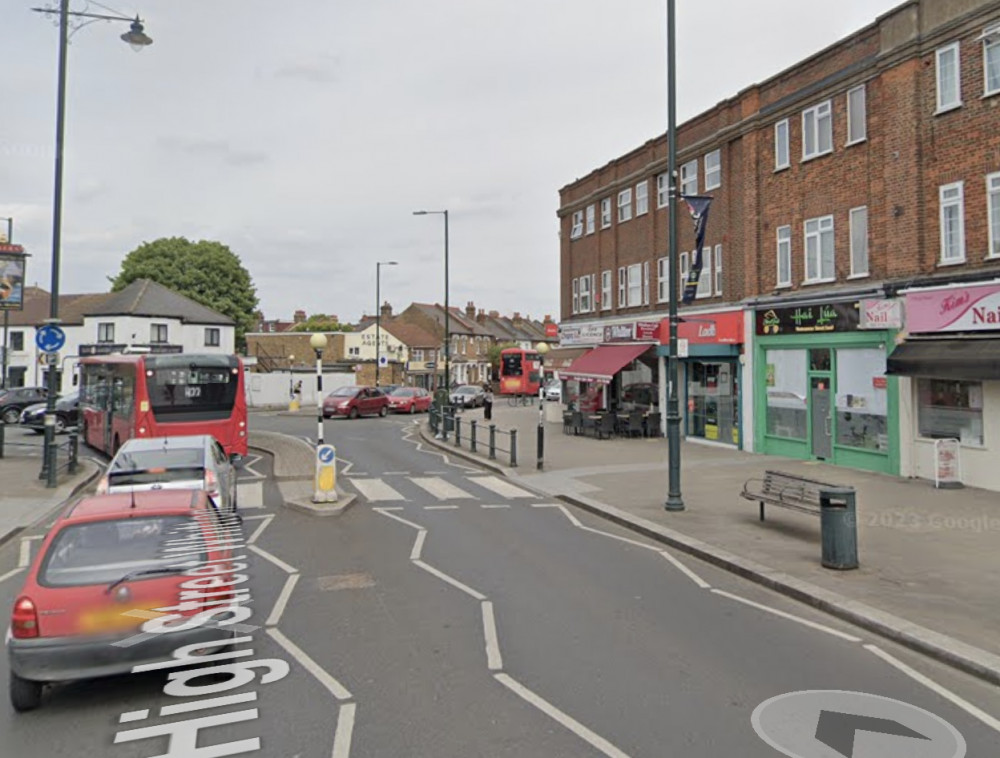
column 136, row 36
column 419, row 213
column 318, row 341
column 542, row 348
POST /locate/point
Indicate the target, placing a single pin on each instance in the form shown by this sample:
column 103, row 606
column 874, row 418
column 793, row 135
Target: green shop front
column 820, row 386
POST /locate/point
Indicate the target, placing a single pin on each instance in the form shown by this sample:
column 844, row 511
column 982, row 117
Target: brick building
column 841, row 187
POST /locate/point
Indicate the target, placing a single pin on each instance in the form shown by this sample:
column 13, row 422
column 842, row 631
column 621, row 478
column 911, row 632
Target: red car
column 410, row 400
column 102, row 569
column 355, row 401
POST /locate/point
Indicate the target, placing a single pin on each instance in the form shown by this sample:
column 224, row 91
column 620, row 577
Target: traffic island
column 294, row 473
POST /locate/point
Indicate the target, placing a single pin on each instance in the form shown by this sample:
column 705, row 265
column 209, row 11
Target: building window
column 213, row 337
column 718, row 269
column 417, row 354
column 642, row 197
column 859, row 241
column 586, row 288
column 105, row 332
column 819, row 250
column 662, row 191
column 158, row 334
column 684, row 269
column 689, row 178
column 857, row 129
column 952, row 223
column 590, row 218
column 622, row 286
column 781, row 152
column 606, row 213
column 991, row 61
column 17, row 342
column 662, row 280
column 786, row 379
column 784, row 256
column 861, row 404
column 634, row 285
column 577, row 229
column 645, row 283
column 949, row 84
column 948, row 408
column 993, row 207
column 605, row 290
column 713, row 170
column 705, row 278
column 576, row 295
column 817, row 131
column 625, row 205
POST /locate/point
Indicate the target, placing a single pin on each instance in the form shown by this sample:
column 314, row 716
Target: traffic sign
column 383, row 360
column 326, row 474
column 50, row 338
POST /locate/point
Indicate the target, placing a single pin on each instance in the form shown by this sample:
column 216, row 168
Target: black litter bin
column 839, row 527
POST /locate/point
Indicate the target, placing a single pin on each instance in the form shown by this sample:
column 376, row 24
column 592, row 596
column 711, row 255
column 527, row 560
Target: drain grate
column 345, row 582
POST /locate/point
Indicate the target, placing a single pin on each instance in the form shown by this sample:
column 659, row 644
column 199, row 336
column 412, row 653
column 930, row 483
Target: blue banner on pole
column 698, row 206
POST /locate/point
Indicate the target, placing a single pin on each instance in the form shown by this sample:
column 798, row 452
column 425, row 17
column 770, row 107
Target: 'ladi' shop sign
column 808, row 319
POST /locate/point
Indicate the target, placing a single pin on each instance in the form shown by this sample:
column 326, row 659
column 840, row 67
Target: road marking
column 436, row 473
column 572, row 519
column 546, row 505
column 450, row 580
column 347, row 465
column 441, row 489
column 418, row 546
column 395, row 473
column 494, row 506
column 282, row 601
column 374, row 490
column 500, row 487
column 260, row 529
column 276, row 561
column 360, row 473
column 199, row 705
column 618, row 537
column 345, row 730
column 493, row 659
column 686, row 571
column 400, row 519
column 789, row 616
column 248, row 466
column 440, row 507
column 335, row 688
column 554, row 713
column 25, row 556
column 9, row 574
column 250, row 495
column 258, row 518
column 947, row 694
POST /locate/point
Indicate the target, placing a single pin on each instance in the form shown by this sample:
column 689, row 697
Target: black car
column 15, row 400
column 67, row 414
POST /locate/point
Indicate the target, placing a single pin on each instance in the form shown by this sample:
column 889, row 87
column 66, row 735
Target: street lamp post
column 447, row 310
column 318, row 343
column 6, row 313
column 137, row 38
column 378, row 315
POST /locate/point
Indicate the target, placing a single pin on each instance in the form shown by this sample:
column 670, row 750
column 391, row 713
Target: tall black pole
column 378, row 317
column 674, row 501
column 6, row 313
column 447, row 313
column 319, row 396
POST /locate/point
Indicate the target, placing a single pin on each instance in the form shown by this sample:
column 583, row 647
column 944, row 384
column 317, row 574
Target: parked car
column 195, row 461
column 355, row 401
column 67, row 414
column 388, row 389
column 410, row 400
column 553, row 391
column 106, row 557
column 15, row 400
column 468, row 396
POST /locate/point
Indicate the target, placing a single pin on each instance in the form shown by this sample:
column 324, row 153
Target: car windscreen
column 101, row 552
column 344, row 392
column 153, row 466
column 403, row 392
column 466, row 390
column 182, row 390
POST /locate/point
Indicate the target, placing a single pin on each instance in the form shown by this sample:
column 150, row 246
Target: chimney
column 516, row 321
column 299, row 317
column 470, row 310
column 494, row 314
column 481, row 316
column 386, row 311
column 547, row 319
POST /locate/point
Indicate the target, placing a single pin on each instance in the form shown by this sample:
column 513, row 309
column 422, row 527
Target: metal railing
column 479, row 437
column 68, row 452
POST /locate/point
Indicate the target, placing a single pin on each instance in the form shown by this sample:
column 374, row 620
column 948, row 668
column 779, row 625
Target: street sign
column 383, row 360
column 326, row 474
column 50, row 338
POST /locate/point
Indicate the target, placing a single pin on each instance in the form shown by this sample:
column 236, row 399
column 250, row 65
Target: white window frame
column 576, row 230
column 625, row 205
column 634, row 285
column 689, row 178
column 576, row 295
column 590, row 219
column 606, row 213
column 622, row 286
column 106, row 332
column 606, row 300
column 718, row 269
column 943, row 107
column 823, row 229
column 642, row 197
column 781, row 145
column 993, row 214
column 586, row 294
column 684, row 268
column 855, row 216
column 213, row 336
column 155, row 330
column 783, row 235
column 663, row 279
column 852, row 138
column 713, row 170
column 812, row 120
column 705, row 278
column 957, row 201
column 662, row 190
column 991, row 44
column 645, row 283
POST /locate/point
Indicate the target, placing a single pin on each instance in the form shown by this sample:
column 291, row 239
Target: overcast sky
column 303, row 133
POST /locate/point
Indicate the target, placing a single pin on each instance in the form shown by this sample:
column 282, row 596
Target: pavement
column 928, row 557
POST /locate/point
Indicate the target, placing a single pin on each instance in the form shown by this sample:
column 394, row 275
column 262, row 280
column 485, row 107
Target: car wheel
column 353, row 414
column 25, row 695
column 413, row 408
column 60, row 423
column 11, row 416
column 383, row 411
column 38, row 431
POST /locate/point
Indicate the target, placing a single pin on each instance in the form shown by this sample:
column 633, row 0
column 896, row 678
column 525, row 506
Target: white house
column 360, row 345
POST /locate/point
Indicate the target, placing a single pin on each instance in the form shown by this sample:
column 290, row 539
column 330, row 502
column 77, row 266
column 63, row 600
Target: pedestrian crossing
column 437, row 489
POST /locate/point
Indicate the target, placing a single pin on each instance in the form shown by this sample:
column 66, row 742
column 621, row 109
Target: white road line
column 390, row 508
column 25, row 557
column 345, row 730
column 375, row 490
column 9, row 574
column 348, row 465
column 494, row 506
column 450, row 580
column 260, row 529
column 947, row 694
column 250, row 494
column 500, row 487
column 572, row 519
column 400, row 519
column 395, row 473
column 618, row 537
column 436, row 473
column 554, row 713
column 441, row 489
column 335, row 688
column 686, row 571
column 493, row 659
column 546, row 505
column 248, row 466
column 789, row 616
column 259, row 517
column 360, row 473
column 418, row 545
column 276, row 561
column 440, row 507
column 282, row 601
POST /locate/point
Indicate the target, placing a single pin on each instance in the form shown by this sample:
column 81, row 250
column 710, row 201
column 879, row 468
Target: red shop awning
column 603, row 362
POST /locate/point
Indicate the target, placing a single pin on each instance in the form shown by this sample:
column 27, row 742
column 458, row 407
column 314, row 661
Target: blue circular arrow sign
column 327, row 453
column 50, row 338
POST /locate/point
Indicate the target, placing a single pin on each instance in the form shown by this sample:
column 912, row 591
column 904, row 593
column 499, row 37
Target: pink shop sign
column 966, row 309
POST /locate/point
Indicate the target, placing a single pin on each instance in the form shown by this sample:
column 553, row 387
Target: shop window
column 785, row 379
column 16, row 342
column 819, row 359
column 861, row 399
column 947, row 408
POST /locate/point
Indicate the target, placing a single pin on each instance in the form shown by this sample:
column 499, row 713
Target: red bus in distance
column 520, row 371
column 163, row 395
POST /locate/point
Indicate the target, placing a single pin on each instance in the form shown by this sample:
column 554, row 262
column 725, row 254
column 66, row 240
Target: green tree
column 207, row 272
column 320, row 322
column 494, row 355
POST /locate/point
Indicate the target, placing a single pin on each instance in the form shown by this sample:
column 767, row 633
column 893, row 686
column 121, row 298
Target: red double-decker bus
column 164, row 395
column 520, row 371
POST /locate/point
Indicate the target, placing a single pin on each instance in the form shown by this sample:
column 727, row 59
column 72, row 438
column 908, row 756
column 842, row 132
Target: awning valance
column 947, row 359
column 603, row 362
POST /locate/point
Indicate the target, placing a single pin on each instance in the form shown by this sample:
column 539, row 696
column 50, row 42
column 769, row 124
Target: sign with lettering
column 947, row 463
column 808, row 319
column 12, row 259
column 707, row 328
column 619, row 332
column 962, row 309
column 647, row 331
column 881, row 314
column 584, row 334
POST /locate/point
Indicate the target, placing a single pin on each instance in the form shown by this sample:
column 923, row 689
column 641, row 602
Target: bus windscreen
column 511, row 364
column 183, row 391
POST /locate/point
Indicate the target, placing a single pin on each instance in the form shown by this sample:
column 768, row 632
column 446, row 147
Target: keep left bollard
column 325, row 490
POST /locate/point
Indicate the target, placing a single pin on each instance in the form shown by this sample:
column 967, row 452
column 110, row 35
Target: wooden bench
column 786, row 490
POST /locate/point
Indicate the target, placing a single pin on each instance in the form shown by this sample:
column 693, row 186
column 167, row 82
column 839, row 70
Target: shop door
column 819, row 408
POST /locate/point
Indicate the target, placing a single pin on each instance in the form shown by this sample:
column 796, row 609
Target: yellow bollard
column 293, row 406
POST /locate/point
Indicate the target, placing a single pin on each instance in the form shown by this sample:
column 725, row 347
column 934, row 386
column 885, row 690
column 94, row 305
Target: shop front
column 620, row 373
column 949, row 375
column 820, row 386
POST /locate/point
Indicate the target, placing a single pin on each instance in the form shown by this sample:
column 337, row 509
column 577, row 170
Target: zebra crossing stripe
column 376, row 490
column 250, row 494
column 441, row 489
column 500, row 487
